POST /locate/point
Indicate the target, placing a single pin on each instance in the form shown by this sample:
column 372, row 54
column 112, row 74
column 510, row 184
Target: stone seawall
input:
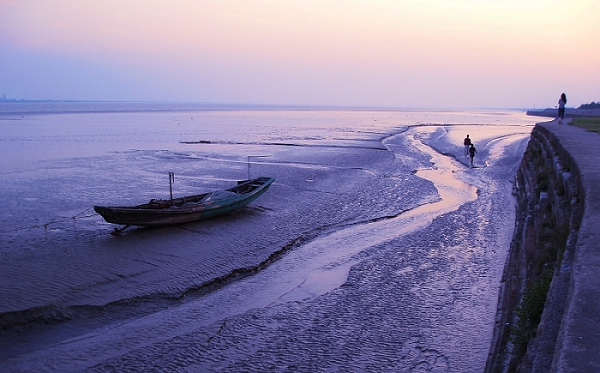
column 548, row 317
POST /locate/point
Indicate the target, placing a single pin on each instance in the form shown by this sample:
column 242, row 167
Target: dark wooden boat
column 159, row 212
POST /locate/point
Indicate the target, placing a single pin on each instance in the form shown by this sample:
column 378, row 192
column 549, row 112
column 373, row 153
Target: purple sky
column 437, row 54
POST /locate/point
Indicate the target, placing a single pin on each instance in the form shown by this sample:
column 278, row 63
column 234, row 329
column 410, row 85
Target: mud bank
column 394, row 271
column 548, row 319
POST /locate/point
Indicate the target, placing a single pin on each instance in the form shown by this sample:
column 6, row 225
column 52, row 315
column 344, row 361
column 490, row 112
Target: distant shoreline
column 38, row 107
column 569, row 112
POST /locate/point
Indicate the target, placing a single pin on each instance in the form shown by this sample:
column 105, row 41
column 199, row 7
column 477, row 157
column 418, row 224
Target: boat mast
column 171, row 181
column 254, row 156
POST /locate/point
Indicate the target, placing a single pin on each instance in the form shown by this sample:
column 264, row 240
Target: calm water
column 354, row 260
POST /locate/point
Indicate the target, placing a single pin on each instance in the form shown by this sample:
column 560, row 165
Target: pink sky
column 437, row 54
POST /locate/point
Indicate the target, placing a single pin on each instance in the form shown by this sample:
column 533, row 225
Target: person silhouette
column 472, row 152
column 467, row 144
column 562, row 101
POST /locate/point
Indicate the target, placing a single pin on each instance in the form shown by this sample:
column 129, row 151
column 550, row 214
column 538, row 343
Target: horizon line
column 249, row 105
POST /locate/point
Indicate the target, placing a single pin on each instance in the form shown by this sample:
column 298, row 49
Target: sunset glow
column 459, row 54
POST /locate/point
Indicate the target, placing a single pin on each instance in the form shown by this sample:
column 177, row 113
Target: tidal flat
column 377, row 247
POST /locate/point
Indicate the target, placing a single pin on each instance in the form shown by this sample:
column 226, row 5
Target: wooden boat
column 159, row 212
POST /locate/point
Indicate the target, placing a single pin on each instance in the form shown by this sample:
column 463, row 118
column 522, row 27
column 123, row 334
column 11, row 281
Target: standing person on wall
column 561, row 108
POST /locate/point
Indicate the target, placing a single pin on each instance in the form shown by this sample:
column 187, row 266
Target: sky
column 439, row 54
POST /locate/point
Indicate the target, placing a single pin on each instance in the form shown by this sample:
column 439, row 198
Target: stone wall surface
column 557, row 236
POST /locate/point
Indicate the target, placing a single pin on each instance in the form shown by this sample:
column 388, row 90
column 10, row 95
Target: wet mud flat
column 322, row 273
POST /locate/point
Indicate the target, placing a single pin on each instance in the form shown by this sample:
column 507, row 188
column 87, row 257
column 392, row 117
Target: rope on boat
column 83, row 212
column 79, row 215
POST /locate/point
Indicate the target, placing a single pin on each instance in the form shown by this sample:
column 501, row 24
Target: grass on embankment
column 589, row 124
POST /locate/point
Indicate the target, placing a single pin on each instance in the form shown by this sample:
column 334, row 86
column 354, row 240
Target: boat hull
column 187, row 209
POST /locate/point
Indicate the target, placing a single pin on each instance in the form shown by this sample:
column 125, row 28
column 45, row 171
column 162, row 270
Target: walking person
column 562, row 101
column 467, row 144
column 472, row 152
